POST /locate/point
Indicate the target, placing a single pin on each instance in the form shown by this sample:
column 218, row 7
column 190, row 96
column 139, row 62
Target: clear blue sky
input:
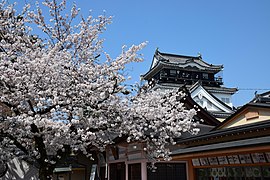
column 235, row 33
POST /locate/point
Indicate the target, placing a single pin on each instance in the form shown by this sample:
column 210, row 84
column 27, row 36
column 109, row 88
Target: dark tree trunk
column 45, row 168
column 45, row 172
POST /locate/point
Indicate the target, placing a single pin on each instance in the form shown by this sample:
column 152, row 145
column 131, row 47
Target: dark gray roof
column 209, row 89
column 229, row 143
column 224, row 145
column 262, row 98
column 180, row 61
column 183, row 60
column 223, row 132
column 220, row 114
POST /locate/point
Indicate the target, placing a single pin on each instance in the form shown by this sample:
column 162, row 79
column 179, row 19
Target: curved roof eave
column 184, row 65
column 188, row 59
column 157, row 67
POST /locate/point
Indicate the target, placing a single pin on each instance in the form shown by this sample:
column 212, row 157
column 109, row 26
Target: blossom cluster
column 62, row 89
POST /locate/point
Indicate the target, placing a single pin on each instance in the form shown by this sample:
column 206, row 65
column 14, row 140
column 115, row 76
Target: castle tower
column 203, row 80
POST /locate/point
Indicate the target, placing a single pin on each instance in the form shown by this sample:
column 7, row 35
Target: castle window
column 172, row 72
column 225, row 100
column 195, row 75
column 205, row 76
column 163, row 73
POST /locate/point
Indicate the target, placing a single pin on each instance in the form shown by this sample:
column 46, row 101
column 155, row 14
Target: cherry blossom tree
column 64, row 93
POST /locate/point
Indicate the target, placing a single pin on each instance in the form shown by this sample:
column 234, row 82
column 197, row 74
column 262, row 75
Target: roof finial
column 199, row 55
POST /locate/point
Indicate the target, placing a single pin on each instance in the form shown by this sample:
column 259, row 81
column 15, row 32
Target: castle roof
column 161, row 60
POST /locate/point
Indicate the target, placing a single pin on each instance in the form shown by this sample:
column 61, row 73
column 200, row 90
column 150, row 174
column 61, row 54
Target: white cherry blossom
column 64, row 93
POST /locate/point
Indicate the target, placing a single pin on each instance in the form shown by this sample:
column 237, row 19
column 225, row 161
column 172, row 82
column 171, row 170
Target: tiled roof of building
column 183, row 60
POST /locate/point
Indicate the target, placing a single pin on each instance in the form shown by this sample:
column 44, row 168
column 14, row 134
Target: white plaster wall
column 221, row 95
column 204, row 96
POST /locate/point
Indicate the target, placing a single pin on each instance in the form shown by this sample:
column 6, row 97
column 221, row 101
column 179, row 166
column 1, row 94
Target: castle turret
column 203, row 80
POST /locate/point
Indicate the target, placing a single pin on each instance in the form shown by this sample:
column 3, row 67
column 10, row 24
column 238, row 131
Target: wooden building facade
column 238, row 148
